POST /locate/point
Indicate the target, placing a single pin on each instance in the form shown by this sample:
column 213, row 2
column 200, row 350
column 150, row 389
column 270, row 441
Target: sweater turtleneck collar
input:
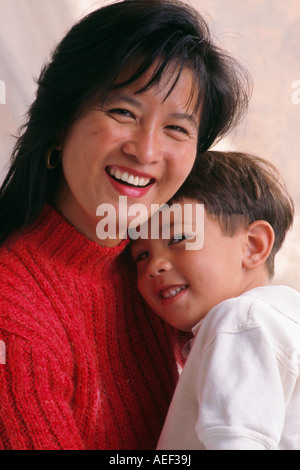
column 56, row 238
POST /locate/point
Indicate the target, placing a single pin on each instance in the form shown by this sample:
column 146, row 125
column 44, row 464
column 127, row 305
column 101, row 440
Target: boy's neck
column 258, row 277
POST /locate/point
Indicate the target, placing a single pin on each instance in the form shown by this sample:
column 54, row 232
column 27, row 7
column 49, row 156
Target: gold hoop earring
column 50, row 165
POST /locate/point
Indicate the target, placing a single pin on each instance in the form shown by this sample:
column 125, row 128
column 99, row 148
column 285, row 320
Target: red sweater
column 87, row 366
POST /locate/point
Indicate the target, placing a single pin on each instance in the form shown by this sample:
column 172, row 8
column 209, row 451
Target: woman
column 130, row 95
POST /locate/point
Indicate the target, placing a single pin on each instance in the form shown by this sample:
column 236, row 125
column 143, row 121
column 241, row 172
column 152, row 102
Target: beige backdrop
column 263, row 34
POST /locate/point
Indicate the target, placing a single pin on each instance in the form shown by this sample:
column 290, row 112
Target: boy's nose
column 158, row 266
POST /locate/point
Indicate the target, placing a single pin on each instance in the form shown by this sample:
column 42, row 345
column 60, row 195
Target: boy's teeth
column 171, row 291
column 127, row 178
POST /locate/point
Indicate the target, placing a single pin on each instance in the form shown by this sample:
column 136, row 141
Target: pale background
column 263, row 34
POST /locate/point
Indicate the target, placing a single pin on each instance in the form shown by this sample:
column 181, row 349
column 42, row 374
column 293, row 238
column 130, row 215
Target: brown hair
column 238, row 189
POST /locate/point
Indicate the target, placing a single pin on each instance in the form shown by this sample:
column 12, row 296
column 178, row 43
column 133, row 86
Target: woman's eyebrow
column 186, row 117
column 113, row 98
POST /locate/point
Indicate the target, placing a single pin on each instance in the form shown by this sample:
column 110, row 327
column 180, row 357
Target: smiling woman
column 130, row 95
column 133, row 136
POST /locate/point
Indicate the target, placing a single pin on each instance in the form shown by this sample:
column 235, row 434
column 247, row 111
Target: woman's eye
column 122, row 112
column 178, row 129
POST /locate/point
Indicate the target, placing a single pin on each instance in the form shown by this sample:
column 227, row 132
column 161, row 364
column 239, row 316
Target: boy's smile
column 171, row 291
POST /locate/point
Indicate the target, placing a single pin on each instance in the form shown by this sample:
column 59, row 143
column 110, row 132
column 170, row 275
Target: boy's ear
column 260, row 240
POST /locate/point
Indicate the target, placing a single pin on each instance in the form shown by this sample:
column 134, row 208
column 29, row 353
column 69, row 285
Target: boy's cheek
column 141, row 283
column 145, row 290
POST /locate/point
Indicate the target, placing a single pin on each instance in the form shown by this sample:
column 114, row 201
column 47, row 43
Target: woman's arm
column 36, row 398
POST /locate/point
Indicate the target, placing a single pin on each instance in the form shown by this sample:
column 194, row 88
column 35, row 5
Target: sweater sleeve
column 35, row 398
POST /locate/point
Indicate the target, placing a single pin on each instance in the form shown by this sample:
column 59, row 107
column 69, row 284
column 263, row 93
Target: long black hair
column 126, row 36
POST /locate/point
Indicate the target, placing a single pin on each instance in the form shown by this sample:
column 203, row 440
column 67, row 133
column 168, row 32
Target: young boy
column 240, row 386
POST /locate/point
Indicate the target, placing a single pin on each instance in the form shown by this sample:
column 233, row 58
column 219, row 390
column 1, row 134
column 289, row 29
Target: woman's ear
column 259, row 243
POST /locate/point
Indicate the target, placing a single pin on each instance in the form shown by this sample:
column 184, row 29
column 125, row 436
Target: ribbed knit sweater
column 87, row 365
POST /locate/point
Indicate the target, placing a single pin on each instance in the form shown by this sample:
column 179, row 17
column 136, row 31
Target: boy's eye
column 141, row 256
column 177, row 238
column 180, row 237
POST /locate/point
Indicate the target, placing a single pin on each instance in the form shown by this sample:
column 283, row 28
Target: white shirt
column 240, row 386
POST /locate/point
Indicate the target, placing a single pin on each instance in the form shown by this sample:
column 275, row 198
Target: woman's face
column 141, row 146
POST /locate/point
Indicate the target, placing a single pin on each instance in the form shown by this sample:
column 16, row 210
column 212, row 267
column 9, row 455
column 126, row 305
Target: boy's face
column 182, row 285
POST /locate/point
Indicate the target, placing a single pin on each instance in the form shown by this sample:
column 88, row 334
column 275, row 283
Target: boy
column 240, row 386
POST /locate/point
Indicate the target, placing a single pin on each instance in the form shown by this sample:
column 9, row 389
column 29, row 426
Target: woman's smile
column 129, row 182
column 129, row 176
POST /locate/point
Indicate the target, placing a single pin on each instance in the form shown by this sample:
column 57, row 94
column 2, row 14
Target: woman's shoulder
column 19, row 255
column 12, row 260
column 31, row 306
column 25, row 278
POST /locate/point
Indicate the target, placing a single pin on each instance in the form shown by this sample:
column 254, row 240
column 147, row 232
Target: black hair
column 125, row 36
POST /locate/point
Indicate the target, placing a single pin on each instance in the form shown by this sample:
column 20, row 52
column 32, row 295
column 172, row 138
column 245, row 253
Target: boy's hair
column 238, row 189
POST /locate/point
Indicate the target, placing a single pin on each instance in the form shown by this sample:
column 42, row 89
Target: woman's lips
column 129, row 176
column 129, row 182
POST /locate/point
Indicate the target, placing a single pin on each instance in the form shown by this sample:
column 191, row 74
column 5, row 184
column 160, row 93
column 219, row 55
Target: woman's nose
column 158, row 266
column 144, row 146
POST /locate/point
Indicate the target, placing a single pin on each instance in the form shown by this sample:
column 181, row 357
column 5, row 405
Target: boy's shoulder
column 275, row 309
column 283, row 299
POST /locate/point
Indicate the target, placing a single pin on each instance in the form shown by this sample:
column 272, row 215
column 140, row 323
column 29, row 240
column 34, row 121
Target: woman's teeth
column 171, row 291
column 128, row 178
